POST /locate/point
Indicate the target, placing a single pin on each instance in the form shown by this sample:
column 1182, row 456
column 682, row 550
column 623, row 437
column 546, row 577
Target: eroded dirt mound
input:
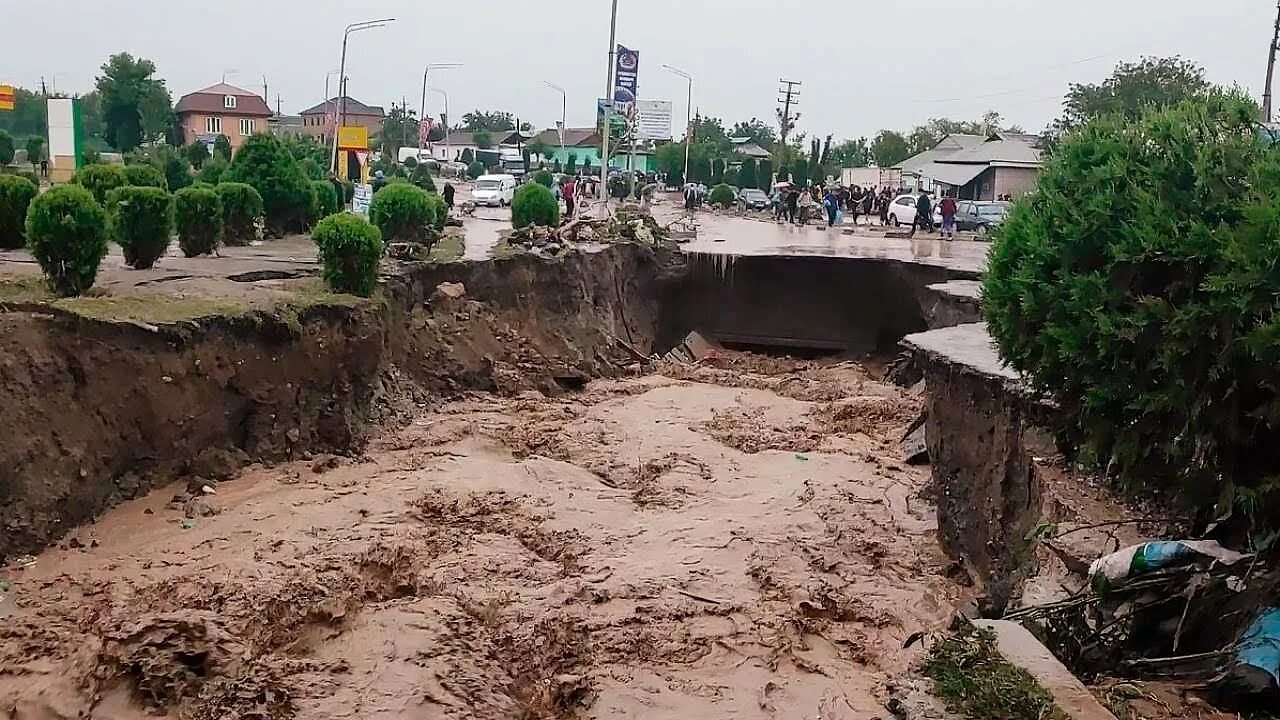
column 596, row 554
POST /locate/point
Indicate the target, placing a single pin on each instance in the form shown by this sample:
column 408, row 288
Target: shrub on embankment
column 16, row 194
column 67, row 235
column 100, row 180
column 326, row 199
column 1136, row 287
column 404, row 213
column 534, row 204
column 722, row 196
column 241, row 212
column 140, row 221
column 350, row 249
column 287, row 196
column 145, row 175
column 197, row 213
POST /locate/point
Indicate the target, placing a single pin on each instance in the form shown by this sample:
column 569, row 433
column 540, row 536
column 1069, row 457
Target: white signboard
column 654, row 119
column 361, row 198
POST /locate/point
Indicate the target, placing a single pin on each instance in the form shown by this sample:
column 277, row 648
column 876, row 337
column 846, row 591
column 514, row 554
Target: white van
column 494, row 190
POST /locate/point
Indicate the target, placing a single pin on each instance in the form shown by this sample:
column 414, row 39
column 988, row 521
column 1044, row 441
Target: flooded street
column 739, row 541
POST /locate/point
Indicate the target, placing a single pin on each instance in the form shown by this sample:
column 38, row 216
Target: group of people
column 795, row 205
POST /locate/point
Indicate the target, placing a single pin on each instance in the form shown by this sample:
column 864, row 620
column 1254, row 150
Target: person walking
column 886, row 197
column 793, row 205
column 832, row 204
column 569, row 191
column 924, row 214
column 948, row 209
column 448, row 196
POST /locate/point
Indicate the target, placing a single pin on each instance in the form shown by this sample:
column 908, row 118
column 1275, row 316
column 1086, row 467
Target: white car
column 494, row 190
column 902, row 211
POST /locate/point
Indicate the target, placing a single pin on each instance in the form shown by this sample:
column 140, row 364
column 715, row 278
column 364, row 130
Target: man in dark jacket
column 924, row 214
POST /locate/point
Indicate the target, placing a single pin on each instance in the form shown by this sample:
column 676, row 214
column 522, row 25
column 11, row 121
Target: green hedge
column 544, row 178
column 722, row 195
column 263, row 162
column 241, row 212
column 100, row 180
column 403, row 213
column 326, row 198
column 67, row 235
column 143, row 175
column 140, row 220
column 213, row 170
column 350, row 249
column 197, row 214
column 1137, row 288
column 421, row 176
column 16, row 194
column 534, row 204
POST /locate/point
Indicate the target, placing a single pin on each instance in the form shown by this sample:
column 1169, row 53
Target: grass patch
column 24, row 288
column 448, row 248
column 504, row 249
column 156, row 309
column 974, row 680
column 315, row 292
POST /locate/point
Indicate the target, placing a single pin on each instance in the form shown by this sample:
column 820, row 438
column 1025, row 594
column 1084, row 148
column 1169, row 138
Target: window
column 905, row 201
column 229, row 102
column 213, row 125
column 246, row 126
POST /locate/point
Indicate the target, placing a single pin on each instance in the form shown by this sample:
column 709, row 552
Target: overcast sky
column 865, row 65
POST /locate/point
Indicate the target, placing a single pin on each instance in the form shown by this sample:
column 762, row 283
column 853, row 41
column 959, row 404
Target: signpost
column 353, row 140
column 361, row 199
column 654, row 119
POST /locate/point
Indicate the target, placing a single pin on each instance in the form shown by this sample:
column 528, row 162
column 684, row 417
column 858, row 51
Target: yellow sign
column 6, row 97
column 353, row 138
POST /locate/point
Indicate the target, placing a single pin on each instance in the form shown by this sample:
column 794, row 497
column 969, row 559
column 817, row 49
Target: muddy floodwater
column 736, row 541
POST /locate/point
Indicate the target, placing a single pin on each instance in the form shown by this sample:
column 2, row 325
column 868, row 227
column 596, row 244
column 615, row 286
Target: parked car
column 902, row 211
column 494, row 190
column 976, row 216
column 753, row 199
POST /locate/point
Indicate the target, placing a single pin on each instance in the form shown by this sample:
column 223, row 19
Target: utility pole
column 44, row 91
column 608, row 112
column 265, row 94
column 790, row 97
column 1271, row 68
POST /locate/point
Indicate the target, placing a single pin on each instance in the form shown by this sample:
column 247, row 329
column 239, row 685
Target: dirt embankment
column 618, row 552
column 101, row 411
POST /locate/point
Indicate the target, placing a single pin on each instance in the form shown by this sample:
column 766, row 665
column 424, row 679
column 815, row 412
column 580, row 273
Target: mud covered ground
column 738, row 541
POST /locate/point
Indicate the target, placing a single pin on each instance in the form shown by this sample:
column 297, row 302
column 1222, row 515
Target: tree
column 468, row 156
column 851, row 154
column 814, row 170
column 760, row 132
column 571, row 166
column 700, row 169
column 1133, row 89
column 800, row 172
column 717, row 171
column 494, row 121
column 197, row 153
column 28, row 116
column 889, row 148
column 6, row 148
column 711, row 130
column 764, row 175
column 483, row 139
column 135, row 106
column 399, row 129
column 524, row 155
column 222, row 147
column 539, row 148
column 747, row 174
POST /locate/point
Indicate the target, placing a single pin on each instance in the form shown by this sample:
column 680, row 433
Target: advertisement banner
column 361, row 199
column 6, row 97
column 424, row 130
column 626, row 73
column 353, row 137
column 653, row 119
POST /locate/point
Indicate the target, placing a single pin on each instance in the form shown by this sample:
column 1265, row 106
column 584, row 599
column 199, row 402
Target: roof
column 1011, row 150
column 350, row 105
column 946, row 147
column 752, row 150
column 210, row 100
column 958, row 159
column 956, row 174
column 573, row 137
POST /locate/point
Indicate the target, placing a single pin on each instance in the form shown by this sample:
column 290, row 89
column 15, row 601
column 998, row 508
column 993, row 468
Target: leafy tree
column 1132, row 89
column 35, row 150
column 1158, row 337
column 556, row 167
column 100, row 180
column 311, row 169
column 475, row 169
column 800, row 171
column 760, row 132
column 814, row 171
column 467, row 156
column 534, row 205
column 700, row 169
column 140, row 220
column 197, row 153
column 326, row 199
column 16, row 194
column 222, row 147
column 350, row 250
column 731, row 177
column 524, row 154
column 241, row 211
column 544, row 178
column 29, row 114
column 747, row 177
column 6, row 148
column 213, row 170
column 483, row 139
column 144, row 175
column 539, row 148
column 851, row 153
column 399, row 129
column 722, row 196
column 495, row 121
column 711, row 130
column 764, row 175
column 717, row 171
column 67, row 235
column 286, row 193
column 135, row 105
column 571, row 166
column 403, row 213
column 889, row 148
column 177, row 171
column 197, row 215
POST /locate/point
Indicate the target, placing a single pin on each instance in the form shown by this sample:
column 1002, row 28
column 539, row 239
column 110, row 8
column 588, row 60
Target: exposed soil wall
column 99, row 411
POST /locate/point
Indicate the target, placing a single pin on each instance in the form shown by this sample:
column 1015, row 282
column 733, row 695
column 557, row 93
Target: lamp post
column 422, row 115
column 608, row 112
column 564, row 109
column 688, row 117
column 444, row 120
column 342, row 73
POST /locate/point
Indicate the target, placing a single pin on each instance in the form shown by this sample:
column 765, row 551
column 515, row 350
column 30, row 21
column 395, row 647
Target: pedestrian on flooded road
column 924, row 214
column 569, row 191
column 793, row 205
column 832, row 204
column 948, row 209
column 448, row 196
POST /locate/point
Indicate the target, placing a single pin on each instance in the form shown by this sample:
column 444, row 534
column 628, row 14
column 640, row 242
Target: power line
column 790, row 97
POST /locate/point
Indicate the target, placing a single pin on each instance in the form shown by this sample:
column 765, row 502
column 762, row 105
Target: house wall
column 193, row 126
column 1014, row 181
column 586, row 155
column 315, row 126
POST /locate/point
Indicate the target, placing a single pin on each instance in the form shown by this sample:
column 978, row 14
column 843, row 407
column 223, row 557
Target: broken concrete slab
column 1018, row 646
column 915, row 449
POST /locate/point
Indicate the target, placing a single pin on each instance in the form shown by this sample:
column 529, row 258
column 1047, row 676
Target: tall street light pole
column 423, row 114
column 564, row 109
column 444, row 120
column 1271, row 68
column 608, row 112
column 342, row 73
column 688, row 116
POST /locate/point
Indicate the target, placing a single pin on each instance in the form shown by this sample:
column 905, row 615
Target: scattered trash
column 693, row 349
column 208, row 490
column 1110, row 570
column 187, row 524
column 1257, row 667
column 22, row 561
column 802, row 457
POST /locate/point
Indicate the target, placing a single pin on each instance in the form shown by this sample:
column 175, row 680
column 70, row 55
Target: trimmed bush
column 534, row 204
column 177, row 170
column 100, row 180
column 326, row 198
column 722, row 195
column 475, row 169
column 544, row 178
column 16, row 194
column 440, row 210
column 350, row 248
column 197, row 215
column 143, row 175
column 264, row 163
column 1136, row 287
column 34, row 178
column 403, row 213
column 311, row 168
column 241, row 212
column 67, row 234
column 140, row 220
column 421, row 176
column 213, row 170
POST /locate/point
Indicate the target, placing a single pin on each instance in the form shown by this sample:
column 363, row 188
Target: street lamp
column 608, row 112
column 444, row 120
column 688, row 116
column 564, row 109
column 342, row 72
column 423, row 114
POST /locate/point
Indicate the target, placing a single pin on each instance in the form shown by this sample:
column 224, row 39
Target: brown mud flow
column 461, row 514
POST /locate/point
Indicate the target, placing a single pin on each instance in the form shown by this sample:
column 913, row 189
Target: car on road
column 494, row 190
column 753, row 199
column 976, row 216
column 902, row 211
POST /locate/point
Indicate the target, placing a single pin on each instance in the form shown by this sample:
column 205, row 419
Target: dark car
column 977, row 217
column 753, row 199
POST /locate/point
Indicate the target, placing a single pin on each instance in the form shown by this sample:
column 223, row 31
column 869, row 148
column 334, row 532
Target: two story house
column 222, row 109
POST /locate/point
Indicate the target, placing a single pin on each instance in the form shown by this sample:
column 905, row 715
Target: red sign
column 424, row 130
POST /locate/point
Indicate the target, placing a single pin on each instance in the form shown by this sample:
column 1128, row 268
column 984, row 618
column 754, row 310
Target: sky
column 864, row 65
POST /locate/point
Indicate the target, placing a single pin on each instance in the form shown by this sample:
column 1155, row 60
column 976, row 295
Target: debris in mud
column 747, row 430
column 973, row 679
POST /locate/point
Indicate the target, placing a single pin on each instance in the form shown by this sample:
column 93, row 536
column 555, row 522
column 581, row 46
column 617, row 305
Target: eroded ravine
column 733, row 542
